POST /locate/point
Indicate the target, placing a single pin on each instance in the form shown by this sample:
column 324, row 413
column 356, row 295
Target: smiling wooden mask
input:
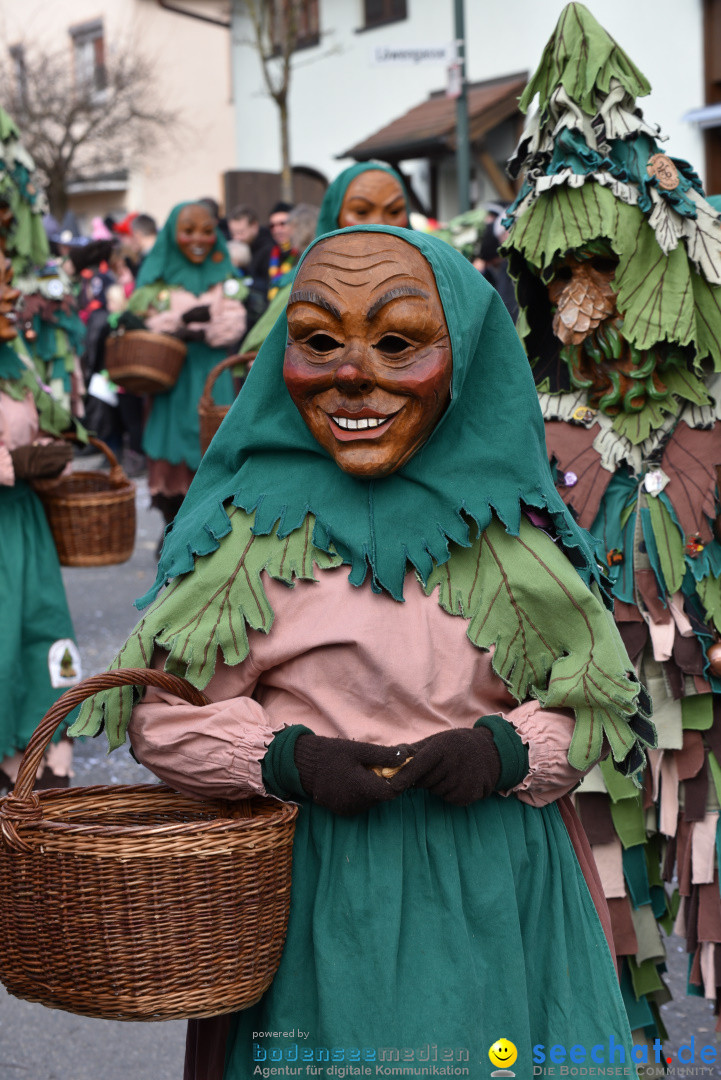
column 368, row 361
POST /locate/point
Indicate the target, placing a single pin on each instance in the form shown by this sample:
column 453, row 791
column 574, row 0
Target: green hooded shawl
column 165, row 261
column 333, row 198
column 267, row 497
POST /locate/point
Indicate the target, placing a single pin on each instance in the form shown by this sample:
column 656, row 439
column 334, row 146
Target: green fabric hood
column 486, row 454
column 333, row 198
column 166, row 262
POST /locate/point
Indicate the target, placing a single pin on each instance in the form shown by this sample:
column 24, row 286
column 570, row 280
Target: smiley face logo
column 503, row 1054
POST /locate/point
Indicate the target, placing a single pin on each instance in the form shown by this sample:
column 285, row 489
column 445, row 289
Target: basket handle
column 206, row 399
column 22, row 804
column 116, row 473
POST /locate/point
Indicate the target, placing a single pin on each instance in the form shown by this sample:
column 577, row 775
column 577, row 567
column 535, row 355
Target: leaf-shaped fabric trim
column 572, row 448
column 655, row 295
column 507, row 586
column 637, row 426
column 584, row 59
column 660, row 296
column 669, row 546
column 690, row 460
column 703, row 238
column 710, row 592
column 553, row 637
column 207, row 611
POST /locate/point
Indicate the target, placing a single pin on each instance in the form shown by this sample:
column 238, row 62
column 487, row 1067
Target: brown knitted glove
column 337, row 773
column 41, row 462
column 200, row 313
column 460, row 766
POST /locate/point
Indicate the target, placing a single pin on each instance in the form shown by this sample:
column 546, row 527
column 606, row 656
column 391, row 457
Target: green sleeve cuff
column 511, row 748
column 280, row 774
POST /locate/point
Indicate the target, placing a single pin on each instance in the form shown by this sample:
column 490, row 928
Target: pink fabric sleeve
column 7, row 472
column 164, row 322
column 170, row 321
column 547, row 734
column 227, row 318
column 213, row 751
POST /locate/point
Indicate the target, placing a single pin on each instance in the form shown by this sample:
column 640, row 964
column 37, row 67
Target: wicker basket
column 211, row 415
column 136, row 903
column 143, row 362
column 91, row 514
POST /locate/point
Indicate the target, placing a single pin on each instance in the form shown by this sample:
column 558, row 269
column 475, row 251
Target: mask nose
column 354, row 375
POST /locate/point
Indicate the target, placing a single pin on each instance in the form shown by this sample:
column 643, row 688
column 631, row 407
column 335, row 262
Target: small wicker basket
column 211, row 415
column 137, row 903
column 143, row 362
column 91, row 514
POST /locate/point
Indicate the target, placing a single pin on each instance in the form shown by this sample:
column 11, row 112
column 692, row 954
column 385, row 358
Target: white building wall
column 192, row 65
column 339, row 98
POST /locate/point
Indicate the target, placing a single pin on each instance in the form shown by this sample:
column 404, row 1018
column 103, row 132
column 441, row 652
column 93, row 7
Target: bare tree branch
column 276, row 25
column 76, row 130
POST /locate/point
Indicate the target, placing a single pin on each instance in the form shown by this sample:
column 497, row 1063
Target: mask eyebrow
column 310, row 297
column 393, row 294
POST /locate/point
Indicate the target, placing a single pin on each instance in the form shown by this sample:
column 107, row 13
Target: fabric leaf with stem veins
column 207, row 611
column 553, row 639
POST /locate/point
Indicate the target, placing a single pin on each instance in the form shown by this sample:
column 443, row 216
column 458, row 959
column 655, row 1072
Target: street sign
column 411, row 55
column 454, row 86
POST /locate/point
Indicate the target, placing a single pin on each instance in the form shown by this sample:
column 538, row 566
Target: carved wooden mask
column 368, row 361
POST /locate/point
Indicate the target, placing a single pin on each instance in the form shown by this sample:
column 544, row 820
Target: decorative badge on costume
column 64, row 663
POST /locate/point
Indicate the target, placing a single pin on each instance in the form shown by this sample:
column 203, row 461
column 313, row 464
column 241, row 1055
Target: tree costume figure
column 36, row 627
column 54, row 334
column 186, row 287
column 618, row 266
column 378, row 432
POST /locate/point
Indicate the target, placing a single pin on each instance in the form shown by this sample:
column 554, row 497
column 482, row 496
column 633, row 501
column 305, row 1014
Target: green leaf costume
column 638, row 471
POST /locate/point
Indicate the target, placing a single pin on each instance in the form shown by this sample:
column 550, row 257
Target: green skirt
column 421, row 933
column 34, row 615
column 172, row 431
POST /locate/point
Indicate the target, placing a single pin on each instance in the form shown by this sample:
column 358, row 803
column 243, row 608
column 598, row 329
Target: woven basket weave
column 143, row 362
column 136, row 903
column 91, row 514
column 211, row 416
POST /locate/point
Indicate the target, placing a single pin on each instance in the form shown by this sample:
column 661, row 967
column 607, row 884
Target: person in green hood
column 401, row 628
column 367, row 193
column 38, row 654
column 186, row 287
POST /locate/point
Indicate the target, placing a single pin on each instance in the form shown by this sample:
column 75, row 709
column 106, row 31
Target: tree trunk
column 57, row 196
column 286, row 186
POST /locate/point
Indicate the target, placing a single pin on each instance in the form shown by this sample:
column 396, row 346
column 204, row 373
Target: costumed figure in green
column 364, row 194
column 617, row 259
column 38, row 656
column 371, row 569
column 54, row 333
column 186, row 287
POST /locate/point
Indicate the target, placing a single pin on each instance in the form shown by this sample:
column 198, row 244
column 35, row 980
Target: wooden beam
column 499, row 180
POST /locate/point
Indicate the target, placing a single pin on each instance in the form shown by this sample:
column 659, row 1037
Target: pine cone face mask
column 583, row 296
column 618, row 377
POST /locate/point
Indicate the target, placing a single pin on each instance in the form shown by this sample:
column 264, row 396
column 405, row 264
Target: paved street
column 42, row 1044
